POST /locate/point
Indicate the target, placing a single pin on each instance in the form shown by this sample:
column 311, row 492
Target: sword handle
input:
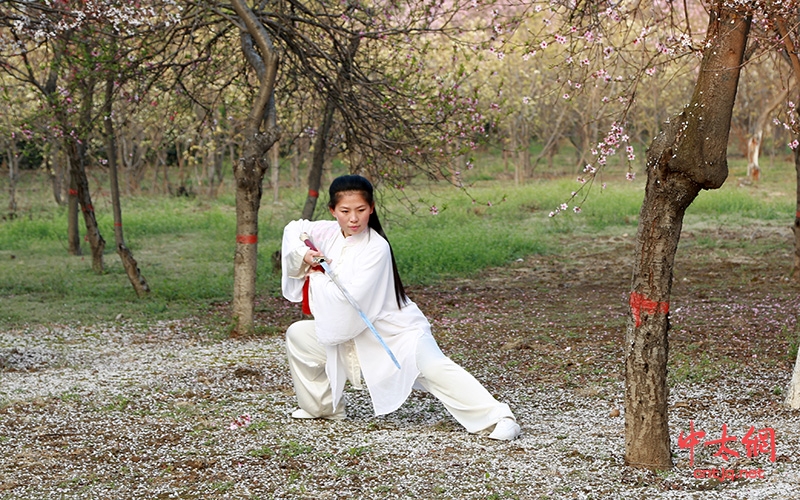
column 307, row 240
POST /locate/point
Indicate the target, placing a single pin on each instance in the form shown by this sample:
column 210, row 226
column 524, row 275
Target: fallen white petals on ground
column 171, row 411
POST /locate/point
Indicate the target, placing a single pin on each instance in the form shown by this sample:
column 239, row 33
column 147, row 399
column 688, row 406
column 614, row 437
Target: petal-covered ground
column 173, row 410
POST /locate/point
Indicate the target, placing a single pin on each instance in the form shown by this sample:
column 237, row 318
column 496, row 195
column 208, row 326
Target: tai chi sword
column 322, row 262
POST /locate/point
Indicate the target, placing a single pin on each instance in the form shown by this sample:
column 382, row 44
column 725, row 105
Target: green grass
column 184, row 246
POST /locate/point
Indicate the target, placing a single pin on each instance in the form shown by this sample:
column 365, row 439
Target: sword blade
column 327, row 268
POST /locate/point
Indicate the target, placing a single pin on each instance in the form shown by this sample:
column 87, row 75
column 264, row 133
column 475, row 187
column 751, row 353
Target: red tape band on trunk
column 641, row 303
column 313, row 194
column 797, row 214
column 73, row 192
column 118, row 224
column 247, row 239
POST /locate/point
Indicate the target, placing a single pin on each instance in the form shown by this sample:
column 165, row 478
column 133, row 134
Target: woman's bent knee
column 299, row 330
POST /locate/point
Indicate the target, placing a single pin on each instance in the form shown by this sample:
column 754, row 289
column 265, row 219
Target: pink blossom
column 241, row 421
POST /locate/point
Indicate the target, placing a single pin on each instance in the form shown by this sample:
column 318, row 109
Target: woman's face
column 352, row 212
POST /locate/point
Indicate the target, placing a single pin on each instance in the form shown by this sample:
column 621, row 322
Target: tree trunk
column 518, row 173
column 274, row 154
column 13, row 176
column 754, row 142
column 73, row 231
column 249, row 170
column 318, row 161
column 753, row 151
column 55, row 171
column 793, row 393
column 128, row 262
column 302, row 146
column 687, row 156
column 76, row 149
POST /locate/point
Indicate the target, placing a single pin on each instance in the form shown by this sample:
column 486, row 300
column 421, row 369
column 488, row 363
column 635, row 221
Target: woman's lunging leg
column 307, row 365
column 461, row 393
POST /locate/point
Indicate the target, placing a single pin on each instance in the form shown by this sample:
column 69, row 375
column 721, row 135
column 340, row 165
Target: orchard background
column 492, row 130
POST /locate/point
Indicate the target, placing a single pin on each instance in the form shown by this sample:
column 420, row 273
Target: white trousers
column 460, row 393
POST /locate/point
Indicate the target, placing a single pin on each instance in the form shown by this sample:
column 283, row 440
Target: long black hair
column 349, row 183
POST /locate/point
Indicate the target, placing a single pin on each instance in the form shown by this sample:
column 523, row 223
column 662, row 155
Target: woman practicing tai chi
column 337, row 344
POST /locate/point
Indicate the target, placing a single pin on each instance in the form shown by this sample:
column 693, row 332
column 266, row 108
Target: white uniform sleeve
column 368, row 278
column 293, row 269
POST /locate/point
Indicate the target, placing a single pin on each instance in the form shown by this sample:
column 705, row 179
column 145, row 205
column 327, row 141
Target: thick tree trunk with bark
column 138, row 282
column 687, row 156
column 249, row 174
column 249, row 171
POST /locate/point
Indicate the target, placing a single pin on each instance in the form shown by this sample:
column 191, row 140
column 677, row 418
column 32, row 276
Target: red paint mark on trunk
column 247, row 239
column 641, row 303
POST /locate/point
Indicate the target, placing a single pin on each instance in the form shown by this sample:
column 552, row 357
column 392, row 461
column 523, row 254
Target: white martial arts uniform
column 337, row 345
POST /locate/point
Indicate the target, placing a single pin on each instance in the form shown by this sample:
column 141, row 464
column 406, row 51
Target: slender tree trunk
column 55, row 171
column 128, row 262
column 249, row 170
column 318, row 161
column 754, row 142
column 181, row 164
column 294, row 163
column 302, row 146
column 518, row 171
column 274, row 155
column 687, row 156
column 13, row 176
column 321, row 145
column 76, row 149
column 753, row 151
column 550, row 146
column 73, row 231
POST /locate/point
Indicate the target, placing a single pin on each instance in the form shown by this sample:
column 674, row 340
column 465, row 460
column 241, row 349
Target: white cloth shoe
column 301, row 413
column 506, row 430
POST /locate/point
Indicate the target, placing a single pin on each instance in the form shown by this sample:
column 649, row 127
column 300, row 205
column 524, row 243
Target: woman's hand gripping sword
column 327, row 268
